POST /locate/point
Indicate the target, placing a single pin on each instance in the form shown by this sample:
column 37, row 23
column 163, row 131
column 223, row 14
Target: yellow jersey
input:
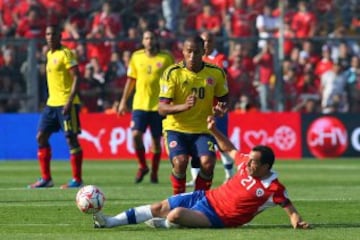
column 177, row 83
column 59, row 79
column 147, row 71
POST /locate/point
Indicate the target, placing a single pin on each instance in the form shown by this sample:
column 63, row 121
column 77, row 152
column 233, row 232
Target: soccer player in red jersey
column 254, row 188
column 61, row 110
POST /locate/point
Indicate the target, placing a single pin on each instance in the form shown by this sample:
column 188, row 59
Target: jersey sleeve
column 281, row 196
column 167, row 85
column 69, row 59
column 131, row 72
column 221, row 88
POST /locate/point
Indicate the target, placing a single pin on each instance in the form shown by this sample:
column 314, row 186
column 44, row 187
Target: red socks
column 140, row 153
column 178, row 184
column 155, row 163
column 44, row 157
column 203, row 183
column 76, row 159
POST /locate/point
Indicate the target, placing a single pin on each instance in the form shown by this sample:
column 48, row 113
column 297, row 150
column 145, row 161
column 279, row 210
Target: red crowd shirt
column 6, row 9
column 302, row 23
column 241, row 23
column 239, row 200
column 207, row 22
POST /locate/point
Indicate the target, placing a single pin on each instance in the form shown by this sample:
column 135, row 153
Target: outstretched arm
column 295, row 218
column 223, row 142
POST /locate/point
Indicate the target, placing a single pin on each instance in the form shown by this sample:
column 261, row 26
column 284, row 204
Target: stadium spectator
column 240, row 80
column 352, row 76
column 130, row 43
column 325, row 62
column 256, row 6
column 99, row 48
column 333, row 90
column 10, row 67
column 309, row 50
column 97, row 80
column 109, row 20
column 307, row 105
column 70, row 35
column 213, row 56
column 13, row 85
column 31, row 26
column 221, row 7
column 325, row 12
column 304, row 22
column 254, row 188
column 188, row 90
column 61, row 111
column 264, row 61
column 245, row 105
column 289, row 81
column 23, row 7
column 115, row 77
column 190, row 10
column 145, row 68
column 171, row 10
column 288, row 42
column 266, row 24
column 7, row 23
column 239, row 22
column 208, row 20
column 56, row 10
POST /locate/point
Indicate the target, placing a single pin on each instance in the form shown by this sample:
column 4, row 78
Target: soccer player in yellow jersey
column 61, row 110
column 187, row 93
column 213, row 56
column 145, row 68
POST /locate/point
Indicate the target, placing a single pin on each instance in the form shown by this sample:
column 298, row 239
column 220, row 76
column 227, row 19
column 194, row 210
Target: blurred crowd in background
column 320, row 70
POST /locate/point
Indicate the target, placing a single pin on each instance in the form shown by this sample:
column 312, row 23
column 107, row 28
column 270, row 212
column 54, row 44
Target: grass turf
column 326, row 193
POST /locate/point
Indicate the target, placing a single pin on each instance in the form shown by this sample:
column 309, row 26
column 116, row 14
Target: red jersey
column 239, row 200
column 302, row 23
column 203, row 21
column 217, row 59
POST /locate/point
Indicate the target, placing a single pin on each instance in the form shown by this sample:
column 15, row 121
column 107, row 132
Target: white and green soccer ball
column 90, row 199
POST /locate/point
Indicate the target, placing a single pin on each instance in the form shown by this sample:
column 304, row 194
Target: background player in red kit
column 250, row 191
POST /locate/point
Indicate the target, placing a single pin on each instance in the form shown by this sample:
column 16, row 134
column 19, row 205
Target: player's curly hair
column 267, row 154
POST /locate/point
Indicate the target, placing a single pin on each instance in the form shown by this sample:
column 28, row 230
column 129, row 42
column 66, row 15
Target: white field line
column 36, row 224
column 54, row 203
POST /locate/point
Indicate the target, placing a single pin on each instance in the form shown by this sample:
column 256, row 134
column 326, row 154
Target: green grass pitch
column 326, row 193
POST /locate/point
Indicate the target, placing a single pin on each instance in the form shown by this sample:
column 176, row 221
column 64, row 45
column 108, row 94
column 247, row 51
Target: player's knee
column 160, row 209
column 208, row 166
column 41, row 139
column 180, row 162
column 175, row 215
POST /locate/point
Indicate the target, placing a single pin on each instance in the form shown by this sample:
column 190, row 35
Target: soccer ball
column 90, row 199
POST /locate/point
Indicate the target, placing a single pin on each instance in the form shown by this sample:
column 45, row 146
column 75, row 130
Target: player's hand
column 220, row 109
column 121, row 109
column 211, row 122
column 66, row 109
column 190, row 101
column 302, row 225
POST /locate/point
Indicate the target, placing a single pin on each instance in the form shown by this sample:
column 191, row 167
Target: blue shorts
column 195, row 145
column 222, row 124
column 52, row 120
column 197, row 201
column 140, row 120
